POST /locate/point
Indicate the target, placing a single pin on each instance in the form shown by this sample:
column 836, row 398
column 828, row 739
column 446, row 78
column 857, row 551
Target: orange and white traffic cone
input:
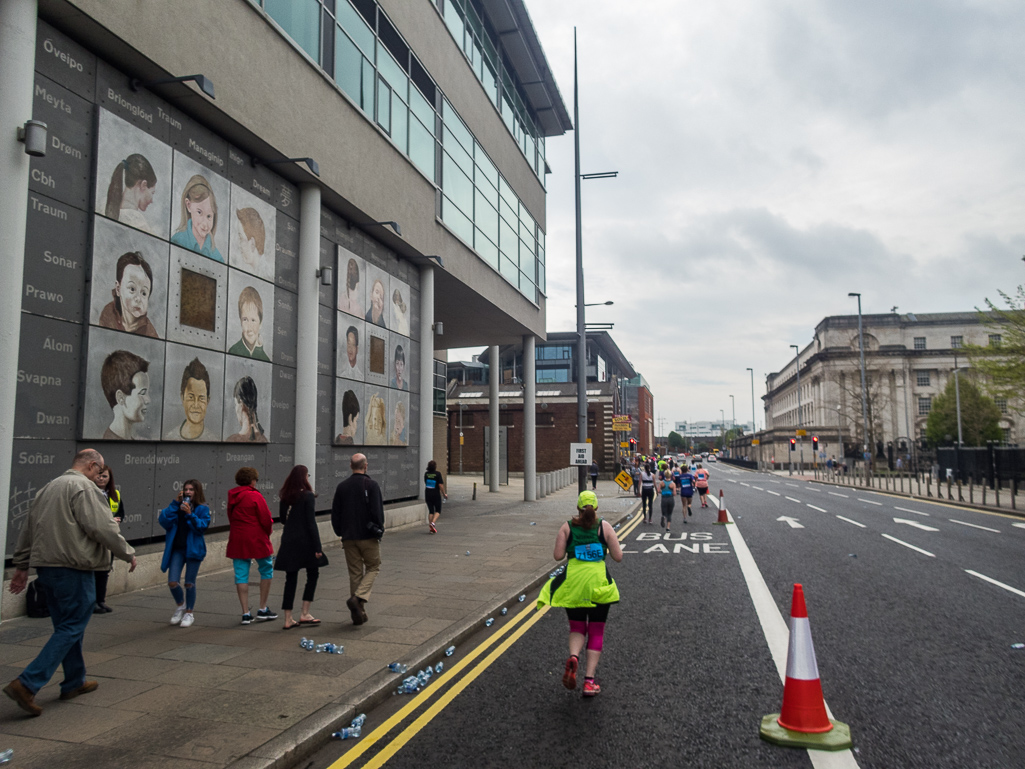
column 804, row 721
column 723, row 518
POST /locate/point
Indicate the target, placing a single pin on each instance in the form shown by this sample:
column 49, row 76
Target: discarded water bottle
column 490, row 621
column 551, row 575
column 6, row 756
column 629, row 516
column 450, row 651
column 397, row 667
column 467, row 552
column 504, row 611
column 347, row 732
column 359, row 720
column 439, row 667
column 533, row 523
column 1018, row 646
column 522, row 598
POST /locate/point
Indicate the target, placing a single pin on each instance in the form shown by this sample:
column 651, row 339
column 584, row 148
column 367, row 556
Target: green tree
column 980, row 417
column 1003, row 363
column 675, row 441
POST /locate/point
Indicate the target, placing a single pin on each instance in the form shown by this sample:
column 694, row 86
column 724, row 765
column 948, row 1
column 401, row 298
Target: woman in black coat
column 300, row 544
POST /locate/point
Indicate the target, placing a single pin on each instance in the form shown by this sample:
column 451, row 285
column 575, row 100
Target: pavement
column 220, row 694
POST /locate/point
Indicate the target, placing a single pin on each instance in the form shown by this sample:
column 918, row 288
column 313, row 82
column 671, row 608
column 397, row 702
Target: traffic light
column 793, row 443
column 815, row 443
column 633, row 444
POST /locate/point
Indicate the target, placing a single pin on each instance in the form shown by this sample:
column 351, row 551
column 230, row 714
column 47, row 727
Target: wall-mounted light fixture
column 394, row 225
column 310, row 162
column 439, row 328
column 326, row 275
column 33, row 136
column 204, row 83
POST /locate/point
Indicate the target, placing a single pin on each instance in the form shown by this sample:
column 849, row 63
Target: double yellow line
column 444, row 700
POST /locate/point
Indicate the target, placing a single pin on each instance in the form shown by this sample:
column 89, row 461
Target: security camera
column 33, row 136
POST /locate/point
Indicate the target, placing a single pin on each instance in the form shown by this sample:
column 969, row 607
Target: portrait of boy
column 128, row 311
column 250, row 315
column 195, row 399
column 124, row 379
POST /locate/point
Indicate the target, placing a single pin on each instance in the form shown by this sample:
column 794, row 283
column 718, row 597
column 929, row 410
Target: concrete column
column 426, row 364
column 17, row 63
column 494, row 374
column 529, row 419
column 306, row 345
column 542, row 484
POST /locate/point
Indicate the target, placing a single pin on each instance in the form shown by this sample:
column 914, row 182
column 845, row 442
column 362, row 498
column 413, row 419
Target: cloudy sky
column 773, row 157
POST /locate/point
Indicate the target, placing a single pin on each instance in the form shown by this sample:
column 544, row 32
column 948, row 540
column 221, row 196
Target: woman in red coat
column 250, row 525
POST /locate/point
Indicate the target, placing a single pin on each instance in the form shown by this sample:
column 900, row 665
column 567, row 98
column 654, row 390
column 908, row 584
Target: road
column 913, row 609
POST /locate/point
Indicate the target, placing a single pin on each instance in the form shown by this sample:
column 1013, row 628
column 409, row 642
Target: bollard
column 474, row 490
column 960, row 496
column 950, row 493
column 971, row 489
column 1014, row 493
column 544, row 484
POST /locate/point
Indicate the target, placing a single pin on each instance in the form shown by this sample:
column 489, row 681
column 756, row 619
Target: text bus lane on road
column 693, row 542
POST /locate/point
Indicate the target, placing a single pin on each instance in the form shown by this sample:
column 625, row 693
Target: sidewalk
column 220, row 694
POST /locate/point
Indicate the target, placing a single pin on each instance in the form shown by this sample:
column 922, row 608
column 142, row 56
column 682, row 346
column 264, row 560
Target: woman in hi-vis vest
column 105, row 480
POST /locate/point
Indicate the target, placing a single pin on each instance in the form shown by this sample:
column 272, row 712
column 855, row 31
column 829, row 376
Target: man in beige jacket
column 68, row 535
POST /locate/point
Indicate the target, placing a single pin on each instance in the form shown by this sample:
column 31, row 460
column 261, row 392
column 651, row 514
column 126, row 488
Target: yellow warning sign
column 625, row 480
column 755, row 442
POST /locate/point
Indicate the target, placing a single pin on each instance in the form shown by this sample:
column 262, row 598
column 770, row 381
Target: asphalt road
column 914, row 652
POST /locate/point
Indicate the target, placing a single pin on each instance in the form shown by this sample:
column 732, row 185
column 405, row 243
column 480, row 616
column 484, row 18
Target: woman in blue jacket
column 185, row 520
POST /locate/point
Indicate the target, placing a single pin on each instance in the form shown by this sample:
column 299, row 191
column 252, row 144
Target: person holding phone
column 186, row 520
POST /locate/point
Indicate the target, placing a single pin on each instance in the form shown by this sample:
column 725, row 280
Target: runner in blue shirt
column 686, row 487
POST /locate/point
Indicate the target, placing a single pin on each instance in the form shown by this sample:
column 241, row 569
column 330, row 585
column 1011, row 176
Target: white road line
column 774, row 493
column 758, row 487
column 975, row 526
column 850, row 521
column 815, row 488
column 818, row 508
column 902, row 542
column 631, row 551
column 731, row 480
column 835, row 494
column 745, row 484
column 1019, row 525
column 771, row 481
column 906, row 510
column 870, row 502
column 792, row 484
column 1014, row 590
column 793, row 500
column 777, row 636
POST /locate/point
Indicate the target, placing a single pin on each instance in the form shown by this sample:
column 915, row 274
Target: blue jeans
column 174, row 574
column 70, row 595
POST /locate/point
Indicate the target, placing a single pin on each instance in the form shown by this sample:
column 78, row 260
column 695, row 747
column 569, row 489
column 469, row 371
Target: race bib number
column 591, row 552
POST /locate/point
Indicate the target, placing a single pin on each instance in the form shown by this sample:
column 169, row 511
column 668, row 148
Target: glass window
column 924, row 405
column 456, row 151
column 509, row 269
column 383, row 105
column 485, row 216
column 454, row 20
column 421, row 148
column 956, row 341
column 994, row 340
column 486, row 248
column 422, row 108
column 507, row 241
column 357, row 29
column 300, row 19
column 399, row 120
column 456, row 220
column 923, row 378
column 457, row 186
column 348, row 64
column 367, row 92
column 919, row 342
column 1001, row 404
column 390, row 70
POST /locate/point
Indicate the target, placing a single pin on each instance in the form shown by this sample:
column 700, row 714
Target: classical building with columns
column 243, row 233
column 909, row 358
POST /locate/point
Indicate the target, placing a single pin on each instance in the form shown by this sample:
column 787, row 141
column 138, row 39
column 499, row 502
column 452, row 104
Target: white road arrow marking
column 975, row 526
column 817, row 508
column 792, row 521
column 994, row 582
column 850, row 521
column 902, row 542
column 916, row 524
column 905, row 510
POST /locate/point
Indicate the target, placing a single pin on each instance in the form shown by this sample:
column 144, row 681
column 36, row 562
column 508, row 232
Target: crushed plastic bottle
column 308, row 643
column 359, row 720
column 348, row 732
column 1018, row 646
column 6, row 756
column 533, row 523
column 522, row 598
column 439, row 667
column 629, row 516
column 467, row 552
column 450, row 651
column 504, row 611
column 397, row 667
column 489, row 622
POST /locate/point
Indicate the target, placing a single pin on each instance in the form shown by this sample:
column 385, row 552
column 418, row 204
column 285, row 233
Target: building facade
column 257, row 266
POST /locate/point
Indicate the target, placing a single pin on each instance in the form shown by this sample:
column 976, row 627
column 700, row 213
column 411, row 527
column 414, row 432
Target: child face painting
column 202, row 213
column 135, row 405
column 351, row 349
column 400, row 370
column 195, row 401
column 133, row 289
column 247, row 248
column 251, row 322
column 144, row 195
column 377, row 298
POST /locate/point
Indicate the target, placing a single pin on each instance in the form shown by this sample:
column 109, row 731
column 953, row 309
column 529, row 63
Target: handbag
column 322, row 561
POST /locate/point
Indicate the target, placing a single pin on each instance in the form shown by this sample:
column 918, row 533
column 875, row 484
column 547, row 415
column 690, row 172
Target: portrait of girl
column 197, row 229
column 399, row 432
column 130, row 193
column 129, row 308
column 399, row 308
column 246, row 401
column 350, row 293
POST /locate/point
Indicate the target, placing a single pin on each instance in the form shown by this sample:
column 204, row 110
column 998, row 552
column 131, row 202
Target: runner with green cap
column 585, row 589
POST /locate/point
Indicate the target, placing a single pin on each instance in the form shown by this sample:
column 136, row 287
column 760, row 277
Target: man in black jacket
column 357, row 516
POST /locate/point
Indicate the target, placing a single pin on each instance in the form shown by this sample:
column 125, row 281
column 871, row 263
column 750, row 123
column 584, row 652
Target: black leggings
column 597, row 613
column 647, row 501
column 292, row 581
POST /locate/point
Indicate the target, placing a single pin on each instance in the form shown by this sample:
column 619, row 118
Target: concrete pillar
column 17, row 63
column 543, row 485
column 426, row 364
column 494, row 375
column 306, row 344
column 529, row 419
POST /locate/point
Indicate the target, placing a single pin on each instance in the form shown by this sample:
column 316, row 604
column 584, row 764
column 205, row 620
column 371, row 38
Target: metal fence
column 992, row 465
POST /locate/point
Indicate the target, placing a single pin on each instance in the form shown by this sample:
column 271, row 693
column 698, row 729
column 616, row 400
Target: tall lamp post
column 581, row 326
column 754, row 425
column 839, row 432
column 722, row 440
column 800, row 424
column 733, row 402
column 864, row 397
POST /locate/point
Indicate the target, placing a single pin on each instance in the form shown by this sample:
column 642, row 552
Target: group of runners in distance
column 666, row 477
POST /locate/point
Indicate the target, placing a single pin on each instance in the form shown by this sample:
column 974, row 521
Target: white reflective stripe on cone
column 801, row 662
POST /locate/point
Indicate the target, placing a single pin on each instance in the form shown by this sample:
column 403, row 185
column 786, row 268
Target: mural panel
column 123, row 392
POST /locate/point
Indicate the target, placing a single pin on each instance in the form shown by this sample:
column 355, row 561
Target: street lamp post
column 839, row 432
column 722, row 421
column 754, row 425
column 800, row 425
column 733, row 402
column 864, row 398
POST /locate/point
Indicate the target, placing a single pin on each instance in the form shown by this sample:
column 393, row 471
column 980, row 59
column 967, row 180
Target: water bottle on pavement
column 522, row 598
column 490, row 622
column 397, row 667
column 450, row 651
column 347, row 732
column 6, row 756
column 359, row 720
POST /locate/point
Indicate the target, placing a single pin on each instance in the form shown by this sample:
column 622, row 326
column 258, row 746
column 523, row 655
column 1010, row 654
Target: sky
column 773, row 157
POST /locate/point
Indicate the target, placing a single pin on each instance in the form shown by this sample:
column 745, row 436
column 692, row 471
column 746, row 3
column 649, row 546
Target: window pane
column 509, row 197
column 399, row 118
column 454, row 20
column 367, row 93
column 358, row 30
column 455, row 125
column 490, row 82
column 421, row 108
column 347, row 65
column 541, row 278
column 456, row 220
column 383, row 105
column 487, row 249
column 507, row 241
column 390, row 70
column 485, row 216
column 457, row 186
column 455, row 149
column 509, row 270
column 486, row 167
column 421, row 148
column 301, row 21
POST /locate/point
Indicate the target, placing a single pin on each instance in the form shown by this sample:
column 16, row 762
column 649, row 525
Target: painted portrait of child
column 128, row 311
column 250, row 315
column 197, row 230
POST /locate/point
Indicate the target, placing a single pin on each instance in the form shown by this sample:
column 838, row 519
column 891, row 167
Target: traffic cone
column 803, row 721
column 722, row 510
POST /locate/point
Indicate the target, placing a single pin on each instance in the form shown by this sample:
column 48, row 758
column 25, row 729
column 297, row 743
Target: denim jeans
column 174, row 574
column 70, row 595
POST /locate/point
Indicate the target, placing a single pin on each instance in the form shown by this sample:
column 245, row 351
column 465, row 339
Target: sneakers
column 662, row 523
column 247, row 618
column 591, row 687
column 355, row 610
column 266, row 613
column 187, row 619
column 26, row 700
column 178, row 614
column 434, row 529
column 85, row 688
column 569, row 678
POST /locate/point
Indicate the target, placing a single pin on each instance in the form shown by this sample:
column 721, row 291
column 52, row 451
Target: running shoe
column 662, row 523
column 188, row 619
column 247, row 618
column 569, row 678
column 266, row 613
column 591, row 688
column 434, row 529
column 178, row 614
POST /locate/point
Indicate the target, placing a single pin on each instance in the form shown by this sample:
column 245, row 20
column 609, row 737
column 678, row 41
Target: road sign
column 625, row 480
column 580, row 454
column 624, row 444
column 755, row 442
column 620, row 424
column 802, row 432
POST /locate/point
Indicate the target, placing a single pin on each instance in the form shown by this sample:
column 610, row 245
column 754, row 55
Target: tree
column 875, row 402
column 1003, row 363
column 980, row 417
column 675, row 441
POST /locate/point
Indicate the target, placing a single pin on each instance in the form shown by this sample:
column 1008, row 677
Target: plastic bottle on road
column 439, row 667
column 359, row 720
column 522, row 598
column 347, row 732
column 490, row 622
column 397, row 667
column 450, row 651
column 504, row 611
column 6, row 756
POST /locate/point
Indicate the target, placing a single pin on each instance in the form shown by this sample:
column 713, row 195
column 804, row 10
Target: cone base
column 837, row 738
